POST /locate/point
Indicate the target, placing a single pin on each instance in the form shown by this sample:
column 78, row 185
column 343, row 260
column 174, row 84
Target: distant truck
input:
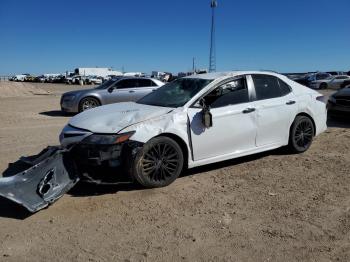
column 96, row 71
column 19, row 78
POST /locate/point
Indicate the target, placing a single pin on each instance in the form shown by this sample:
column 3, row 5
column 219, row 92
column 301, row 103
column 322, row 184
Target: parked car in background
column 122, row 89
column 339, row 103
column 337, row 73
column 19, row 78
column 75, row 80
column 333, row 82
column 311, row 77
column 29, row 78
column 93, row 80
column 346, row 83
column 197, row 120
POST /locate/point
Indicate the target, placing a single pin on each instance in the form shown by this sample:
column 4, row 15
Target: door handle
column 248, row 110
column 291, row 102
column 131, row 91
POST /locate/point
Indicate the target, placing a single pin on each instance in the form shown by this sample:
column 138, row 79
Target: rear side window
column 322, row 76
column 127, row 83
column 266, row 87
column 145, row 82
column 285, row 89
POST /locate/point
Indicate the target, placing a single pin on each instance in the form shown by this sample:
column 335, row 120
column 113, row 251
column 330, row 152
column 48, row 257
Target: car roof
column 211, row 76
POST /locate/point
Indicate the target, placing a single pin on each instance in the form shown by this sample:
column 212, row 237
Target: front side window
column 176, row 93
column 231, row 93
column 145, row 83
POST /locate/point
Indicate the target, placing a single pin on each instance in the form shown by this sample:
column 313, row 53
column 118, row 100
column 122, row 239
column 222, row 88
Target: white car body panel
column 232, row 131
column 233, row 134
column 273, row 119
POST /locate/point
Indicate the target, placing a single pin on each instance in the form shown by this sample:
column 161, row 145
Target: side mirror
column 110, row 89
column 207, row 118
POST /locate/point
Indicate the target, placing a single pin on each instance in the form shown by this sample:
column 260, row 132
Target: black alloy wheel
column 159, row 163
column 301, row 135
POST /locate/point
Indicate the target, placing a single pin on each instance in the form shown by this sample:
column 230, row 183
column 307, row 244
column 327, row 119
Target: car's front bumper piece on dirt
column 50, row 175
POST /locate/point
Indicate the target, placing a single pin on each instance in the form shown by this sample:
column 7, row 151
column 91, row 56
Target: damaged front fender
column 51, row 174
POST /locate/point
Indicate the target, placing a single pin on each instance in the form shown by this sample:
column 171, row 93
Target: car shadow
column 10, row 209
column 56, row 113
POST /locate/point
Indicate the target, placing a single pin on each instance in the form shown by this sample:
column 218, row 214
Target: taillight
column 322, row 99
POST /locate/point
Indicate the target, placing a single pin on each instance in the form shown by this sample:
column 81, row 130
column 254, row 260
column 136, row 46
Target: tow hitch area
column 50, row 175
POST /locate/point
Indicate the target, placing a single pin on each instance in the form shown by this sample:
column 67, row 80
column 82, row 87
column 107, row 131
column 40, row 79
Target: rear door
column 125, row 91
column 145, row 86
column 276, row 108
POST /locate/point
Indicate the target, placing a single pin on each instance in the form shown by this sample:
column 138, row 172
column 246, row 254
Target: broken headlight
column 107, row 139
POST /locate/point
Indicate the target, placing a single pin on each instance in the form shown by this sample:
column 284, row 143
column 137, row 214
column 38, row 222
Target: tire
column 301, row 134
column 323, row 86
column 158, row 163
column 88, row 103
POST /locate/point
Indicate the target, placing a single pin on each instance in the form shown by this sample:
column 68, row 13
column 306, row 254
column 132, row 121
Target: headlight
column 68, row 97
column 107, row 139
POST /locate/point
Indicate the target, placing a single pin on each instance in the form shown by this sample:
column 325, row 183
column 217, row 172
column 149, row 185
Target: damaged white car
column 190, row 122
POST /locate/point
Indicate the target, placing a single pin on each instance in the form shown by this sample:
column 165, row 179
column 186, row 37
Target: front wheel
column 323, row 86
column 158, row 163
column 301, row 134
column 88, row 103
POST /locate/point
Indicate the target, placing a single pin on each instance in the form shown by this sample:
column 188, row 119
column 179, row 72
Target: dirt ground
column 268, row 207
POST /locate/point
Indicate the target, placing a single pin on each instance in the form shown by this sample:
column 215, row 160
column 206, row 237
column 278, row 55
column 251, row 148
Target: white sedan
column 198, row 120
column 333, row 82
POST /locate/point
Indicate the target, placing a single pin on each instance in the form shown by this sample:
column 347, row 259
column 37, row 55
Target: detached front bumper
column 55, row 170
column 50, row 175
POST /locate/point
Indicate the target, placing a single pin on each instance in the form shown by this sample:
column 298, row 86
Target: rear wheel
column 301, row 134
column 88, row 103
column 158, row 163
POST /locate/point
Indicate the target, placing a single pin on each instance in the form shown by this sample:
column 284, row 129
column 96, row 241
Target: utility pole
column 193, row 65
column 212, row 57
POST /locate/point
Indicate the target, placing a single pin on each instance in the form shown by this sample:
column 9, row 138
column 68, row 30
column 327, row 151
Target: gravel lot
column 268, row 207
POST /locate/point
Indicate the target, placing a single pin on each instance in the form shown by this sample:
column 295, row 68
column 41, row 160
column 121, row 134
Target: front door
column 234, row 124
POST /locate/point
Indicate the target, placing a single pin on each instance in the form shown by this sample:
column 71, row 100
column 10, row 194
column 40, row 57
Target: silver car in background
column 332, row 82
column 123, row 89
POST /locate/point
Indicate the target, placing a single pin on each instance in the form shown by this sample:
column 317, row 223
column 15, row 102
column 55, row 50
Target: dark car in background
column 339, row 103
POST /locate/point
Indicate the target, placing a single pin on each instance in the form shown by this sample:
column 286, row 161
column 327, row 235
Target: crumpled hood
column 115, row 117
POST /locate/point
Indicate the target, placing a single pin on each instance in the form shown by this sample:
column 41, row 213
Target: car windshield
column 176, row 93
column 107, row 84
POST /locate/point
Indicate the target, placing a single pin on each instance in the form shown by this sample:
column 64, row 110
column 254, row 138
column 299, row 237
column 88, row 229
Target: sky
column 47, row 36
